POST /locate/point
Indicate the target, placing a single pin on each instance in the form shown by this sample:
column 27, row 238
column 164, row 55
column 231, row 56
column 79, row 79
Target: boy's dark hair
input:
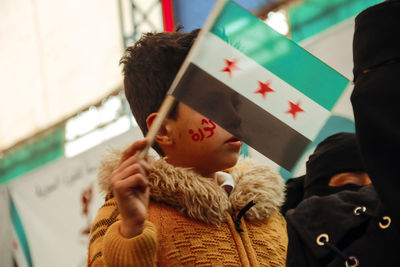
column 149, row 67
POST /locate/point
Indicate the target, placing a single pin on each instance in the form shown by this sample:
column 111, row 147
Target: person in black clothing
column 376, row 97
column 294, row 193
column 361, row 227
column 334, row 166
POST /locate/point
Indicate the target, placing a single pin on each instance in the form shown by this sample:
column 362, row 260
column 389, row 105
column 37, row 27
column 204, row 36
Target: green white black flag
column 257, row 84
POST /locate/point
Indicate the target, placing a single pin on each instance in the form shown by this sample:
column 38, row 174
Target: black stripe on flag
column 241, row 117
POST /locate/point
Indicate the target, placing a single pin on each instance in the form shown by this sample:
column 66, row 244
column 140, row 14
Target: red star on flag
column 294, row 108
column 264, row 89
column 230, row 66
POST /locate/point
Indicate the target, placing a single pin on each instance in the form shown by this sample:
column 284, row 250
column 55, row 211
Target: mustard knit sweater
column 189, row 221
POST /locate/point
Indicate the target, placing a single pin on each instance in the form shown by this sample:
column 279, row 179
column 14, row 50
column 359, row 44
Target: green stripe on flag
column 279, row 55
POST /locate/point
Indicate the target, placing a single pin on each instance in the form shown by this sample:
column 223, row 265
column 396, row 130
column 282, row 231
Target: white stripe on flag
column 211, row 55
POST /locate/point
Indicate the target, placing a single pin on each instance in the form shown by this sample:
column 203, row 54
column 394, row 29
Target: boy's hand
column 130, row 188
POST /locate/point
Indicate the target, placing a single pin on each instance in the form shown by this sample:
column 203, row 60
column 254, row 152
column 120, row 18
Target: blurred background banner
column 6, row 229
column 56, row 57
column 62, row 103
column 53, row 207
column 192, row 14
column 309, row 18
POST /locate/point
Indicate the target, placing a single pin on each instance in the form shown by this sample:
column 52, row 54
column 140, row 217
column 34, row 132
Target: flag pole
column 156, row 125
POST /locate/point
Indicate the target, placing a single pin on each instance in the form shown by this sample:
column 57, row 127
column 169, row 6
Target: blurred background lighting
column 277, row 20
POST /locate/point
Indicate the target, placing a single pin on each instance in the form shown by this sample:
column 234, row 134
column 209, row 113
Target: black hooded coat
column 361, row 228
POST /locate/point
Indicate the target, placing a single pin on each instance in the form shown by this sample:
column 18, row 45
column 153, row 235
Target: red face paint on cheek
column 195, row 136
column 209, row 129
column 206, row 130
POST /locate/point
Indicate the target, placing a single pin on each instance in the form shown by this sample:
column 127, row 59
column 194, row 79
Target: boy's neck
column 207, row 174
column 212, row 175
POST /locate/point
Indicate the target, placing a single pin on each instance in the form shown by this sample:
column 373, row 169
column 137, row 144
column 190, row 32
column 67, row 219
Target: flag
column 257, row 84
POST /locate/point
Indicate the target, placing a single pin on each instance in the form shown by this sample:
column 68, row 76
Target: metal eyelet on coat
column 320, row 241
column 351, row 261
column 387, row 224
column 357, row 211
column 323, row 240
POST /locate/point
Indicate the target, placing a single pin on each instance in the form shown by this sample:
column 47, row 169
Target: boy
column 181, row 210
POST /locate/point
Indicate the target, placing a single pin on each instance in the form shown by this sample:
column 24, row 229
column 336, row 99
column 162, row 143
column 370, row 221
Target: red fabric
column 168, row 15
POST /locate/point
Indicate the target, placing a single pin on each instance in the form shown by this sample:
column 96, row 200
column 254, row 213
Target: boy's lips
column 234, row 141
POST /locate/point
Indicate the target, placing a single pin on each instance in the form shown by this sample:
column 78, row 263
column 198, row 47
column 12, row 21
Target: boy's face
column 198, row 142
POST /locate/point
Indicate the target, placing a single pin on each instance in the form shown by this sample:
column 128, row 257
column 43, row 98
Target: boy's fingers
column 133, row 148
column 145, row 165
column 136, row 181
column 129, row 171
column 127, row 162
column 134, row 159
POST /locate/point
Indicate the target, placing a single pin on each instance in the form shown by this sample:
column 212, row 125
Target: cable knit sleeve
column 107, row 247
column 137, row 251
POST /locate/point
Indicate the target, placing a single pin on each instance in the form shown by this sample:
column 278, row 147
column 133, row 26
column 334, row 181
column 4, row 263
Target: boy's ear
column 164, row 134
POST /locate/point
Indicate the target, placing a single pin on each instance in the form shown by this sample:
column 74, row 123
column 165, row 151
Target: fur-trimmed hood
column 203, row 199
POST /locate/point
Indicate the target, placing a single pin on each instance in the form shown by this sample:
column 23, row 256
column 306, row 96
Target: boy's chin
column 210, row 169
column 229, row 162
